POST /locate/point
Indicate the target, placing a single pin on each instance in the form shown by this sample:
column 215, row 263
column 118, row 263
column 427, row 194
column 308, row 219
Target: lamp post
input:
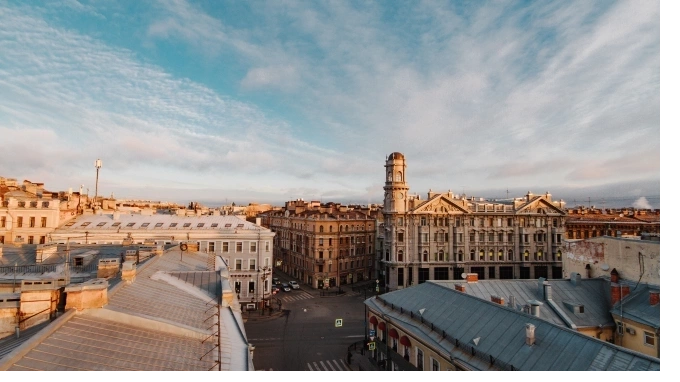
column 97, row 165
column 265, row 271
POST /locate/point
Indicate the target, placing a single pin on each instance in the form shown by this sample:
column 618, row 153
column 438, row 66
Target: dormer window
column 187, row 225
column 173, row 225
column 227, row 225
column 131, row 224
column 240, row 226
column 85, row 224
column 158, row 225
column 200, row 225
column 144, row 225
column 101, row 224
column 116, row 224
column 213, row 225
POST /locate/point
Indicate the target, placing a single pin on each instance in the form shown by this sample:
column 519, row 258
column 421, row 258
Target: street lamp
column 97, row 165
column 265, row 271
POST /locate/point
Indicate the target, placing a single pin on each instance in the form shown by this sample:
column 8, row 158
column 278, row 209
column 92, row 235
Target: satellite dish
column 463, row 275
column 604, row 267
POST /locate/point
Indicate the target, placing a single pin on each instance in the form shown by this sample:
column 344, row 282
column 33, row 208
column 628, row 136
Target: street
column 305, row 336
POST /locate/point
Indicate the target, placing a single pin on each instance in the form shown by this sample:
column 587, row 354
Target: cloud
column 642, row 203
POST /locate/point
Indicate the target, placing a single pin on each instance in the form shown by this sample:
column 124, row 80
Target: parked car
column 294, row 284
column 285, row 287
column 275, row 289
column 275, row 281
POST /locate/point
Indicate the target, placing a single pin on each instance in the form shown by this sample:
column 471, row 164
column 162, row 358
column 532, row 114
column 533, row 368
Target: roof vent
column 575, row 278
column 530, row 334
column 535, row 308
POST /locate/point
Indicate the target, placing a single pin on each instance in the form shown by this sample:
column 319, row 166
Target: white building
column 246, row 247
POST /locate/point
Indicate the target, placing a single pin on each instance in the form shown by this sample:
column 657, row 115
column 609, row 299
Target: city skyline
column 269, row 101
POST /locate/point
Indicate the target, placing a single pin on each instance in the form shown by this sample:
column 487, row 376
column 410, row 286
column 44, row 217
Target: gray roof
column 636, row 306
column 501, row 333
column 591, row 293
column 93, row 343
column 155, row 222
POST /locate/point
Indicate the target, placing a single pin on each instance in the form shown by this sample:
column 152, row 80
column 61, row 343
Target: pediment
column 441, row 205
column 540, row 206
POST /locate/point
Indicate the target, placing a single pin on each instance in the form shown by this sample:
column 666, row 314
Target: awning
column 393, row 333
column 381, row 326
column 373, row 320
column 405, row 341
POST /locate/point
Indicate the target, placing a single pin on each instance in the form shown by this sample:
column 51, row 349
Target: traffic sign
column 371, row 332
column 371, row 346
column 338, row 322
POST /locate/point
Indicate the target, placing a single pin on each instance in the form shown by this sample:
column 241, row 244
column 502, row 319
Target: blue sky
column 266, row 101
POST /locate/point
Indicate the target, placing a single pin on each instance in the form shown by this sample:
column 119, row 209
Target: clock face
column 400, row 195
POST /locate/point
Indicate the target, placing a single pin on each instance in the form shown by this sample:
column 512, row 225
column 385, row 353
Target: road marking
column 333, row 365
column 336, row 364
column 356, row 336
column 322, row 365
column 310, row 367
column 316, row 366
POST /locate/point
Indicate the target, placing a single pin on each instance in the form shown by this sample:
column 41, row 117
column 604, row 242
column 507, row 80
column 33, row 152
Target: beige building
column 323, row 245
column 596, row 257
column 447, row 235
column 28, row 213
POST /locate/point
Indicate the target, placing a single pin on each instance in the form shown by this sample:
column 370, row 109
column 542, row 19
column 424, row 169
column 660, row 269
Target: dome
column 396, row 155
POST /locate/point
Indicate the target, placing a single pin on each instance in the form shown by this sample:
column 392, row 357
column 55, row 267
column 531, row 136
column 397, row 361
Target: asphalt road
column 305, row 337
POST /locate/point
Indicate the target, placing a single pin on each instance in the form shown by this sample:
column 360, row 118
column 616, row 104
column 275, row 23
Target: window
column 213, row 225
column 500, row 237
column 266, row 246
column 101, row 224
column 419, row 359
column 394, row 340
column 239, row 246
column 251, row 264
column 400, row 221
column 116, row 224
column 211, row 246
column 251, row 287
column 400, row 237
column 145, row 225
column 253, row 246
column 3, row 221
column 435, row 365
column 30, row 240
column 199, row 225
column 649, row 339
column 491, row 235
column 88, row 223
column 619, row 328
column 509, row 237
column 321, row 228
column 158, row 225
column 239, row 226
column 31, row 222
column 20, row 221
column 173, row 225
column 423, row 221
column 45, row 204
column 187, row 225
column 239, row 264
column 472, row 237
column 131, row 224
column 225, row 246
column 457, row 222
column 321, row 241
column 227, row 225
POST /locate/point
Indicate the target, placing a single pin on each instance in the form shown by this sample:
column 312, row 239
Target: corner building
column 447, row 235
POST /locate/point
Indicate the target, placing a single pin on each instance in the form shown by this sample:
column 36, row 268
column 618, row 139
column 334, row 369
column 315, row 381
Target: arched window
column 387, row 255
column 441, row 255
column 330, row 229
column 472, row 255
column 526, row 255
column 481, row 255
column 500, row 255
column 559, row 255
column 400, row 256
column 398, row 176
column 540, row 254
column 320, row 228
column 460, row 255
column 491, row 255
column 389, row 176
column 346, row 228
column 510, row 254
column 425, row 256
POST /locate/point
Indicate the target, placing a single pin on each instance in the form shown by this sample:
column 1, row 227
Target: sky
column 268, row 101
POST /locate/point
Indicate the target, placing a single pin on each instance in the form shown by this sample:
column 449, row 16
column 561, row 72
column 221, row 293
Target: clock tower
column 396, row 188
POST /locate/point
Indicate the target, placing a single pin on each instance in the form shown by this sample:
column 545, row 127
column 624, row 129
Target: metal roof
column 156, row 222
column 501, row 333
column 591, row 293
column 636, row 306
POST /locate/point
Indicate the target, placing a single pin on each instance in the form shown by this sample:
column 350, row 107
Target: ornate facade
column 445, row 236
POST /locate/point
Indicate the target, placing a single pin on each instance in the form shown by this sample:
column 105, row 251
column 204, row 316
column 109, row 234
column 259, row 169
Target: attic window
column 115, row 224
column 159, row 225
column 187, row 225
column 173, row 225
column 101, row 224
column 227, row 225
column 85, row 224
column 130, row 224
column 240, row 226
column 213, row 225
column 70, row 224
column 145, row 225
column 201, row 224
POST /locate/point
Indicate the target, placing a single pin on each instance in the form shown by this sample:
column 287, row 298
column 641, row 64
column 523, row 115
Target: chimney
column 575, row 278
column 498, row 300
column 472, row 278
column 129, row 272
column 460, row 287
column 547, row 291
column 614, row 275
column 535, row 308
column 511, row 301
column 654, row 297
column 619, row 292
column 541, row 291
column 530, row 334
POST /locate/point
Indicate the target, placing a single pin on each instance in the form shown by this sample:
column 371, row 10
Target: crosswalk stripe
column 316, row 366
column 342, row 361
column 336, row 364
column 323, row 365
column 310, row 367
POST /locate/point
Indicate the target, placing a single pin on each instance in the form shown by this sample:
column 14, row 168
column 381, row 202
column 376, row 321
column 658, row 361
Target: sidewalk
column 361, row 362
